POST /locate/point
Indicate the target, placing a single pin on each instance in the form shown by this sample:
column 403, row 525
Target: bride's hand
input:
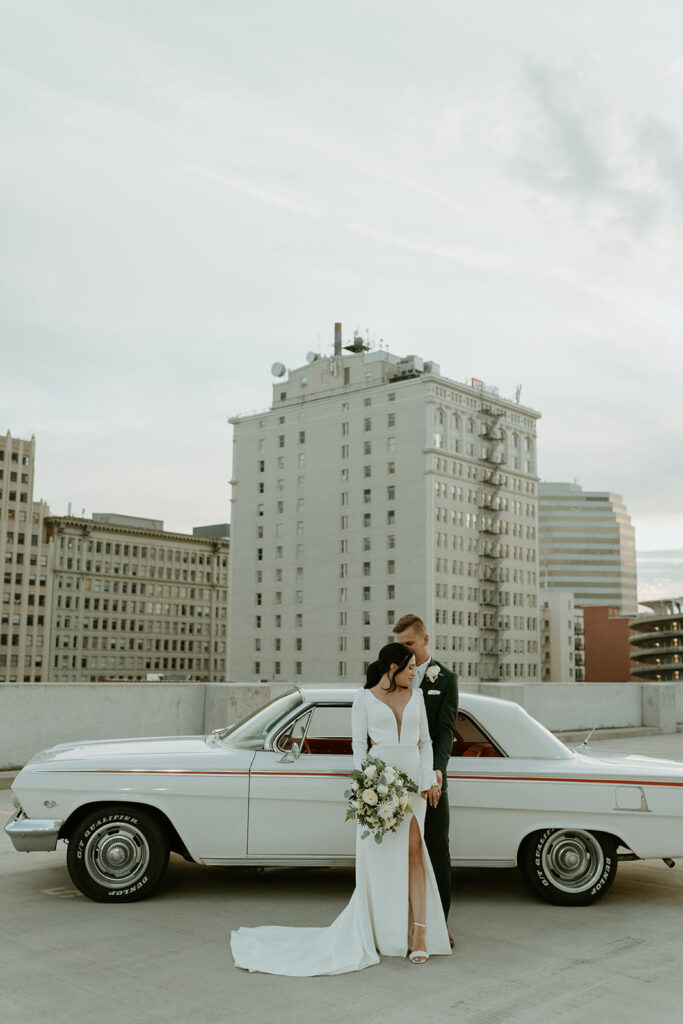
column 432, row 795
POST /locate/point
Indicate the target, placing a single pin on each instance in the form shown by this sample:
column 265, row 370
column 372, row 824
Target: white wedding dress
column 377, row 917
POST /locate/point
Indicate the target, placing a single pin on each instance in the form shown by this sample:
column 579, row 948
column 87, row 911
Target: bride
column 395, row 905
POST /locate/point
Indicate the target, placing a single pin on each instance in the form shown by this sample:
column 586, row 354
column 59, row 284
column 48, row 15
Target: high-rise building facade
column 562, row 638
column 25, row 593
column 375, row 486
column 133, row 601
column 587, row 545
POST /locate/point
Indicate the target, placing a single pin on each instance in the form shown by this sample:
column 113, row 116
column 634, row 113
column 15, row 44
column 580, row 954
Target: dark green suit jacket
column 441, row 702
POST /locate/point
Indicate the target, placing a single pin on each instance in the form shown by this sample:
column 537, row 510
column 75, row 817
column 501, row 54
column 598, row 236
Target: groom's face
column 417, row 641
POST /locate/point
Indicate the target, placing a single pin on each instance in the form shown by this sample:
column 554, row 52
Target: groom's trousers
column 437, row 820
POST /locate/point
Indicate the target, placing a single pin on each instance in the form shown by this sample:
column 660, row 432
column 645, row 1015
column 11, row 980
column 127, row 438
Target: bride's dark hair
column 393, row 654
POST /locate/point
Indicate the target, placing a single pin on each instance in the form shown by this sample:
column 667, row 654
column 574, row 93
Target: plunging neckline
column 395, row 716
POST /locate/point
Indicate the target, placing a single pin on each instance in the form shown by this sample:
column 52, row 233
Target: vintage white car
column 269, row 791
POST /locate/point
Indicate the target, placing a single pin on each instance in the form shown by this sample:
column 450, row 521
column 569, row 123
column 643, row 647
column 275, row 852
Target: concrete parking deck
column 68, row 960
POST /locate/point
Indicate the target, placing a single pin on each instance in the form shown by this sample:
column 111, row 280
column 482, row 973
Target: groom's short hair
column 410, row 621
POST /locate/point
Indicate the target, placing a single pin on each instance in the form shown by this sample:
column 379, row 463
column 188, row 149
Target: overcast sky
column 192, row 190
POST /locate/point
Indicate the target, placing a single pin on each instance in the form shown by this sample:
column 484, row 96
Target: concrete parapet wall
column 567, row 706
column 38, row 715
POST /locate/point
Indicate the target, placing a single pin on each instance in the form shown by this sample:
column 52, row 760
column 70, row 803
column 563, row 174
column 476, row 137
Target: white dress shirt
column 420, row 674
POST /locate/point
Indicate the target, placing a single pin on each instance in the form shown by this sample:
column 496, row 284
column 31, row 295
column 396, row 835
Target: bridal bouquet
column 378, row 798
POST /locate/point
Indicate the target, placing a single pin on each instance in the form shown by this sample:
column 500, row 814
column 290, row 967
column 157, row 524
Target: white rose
column 382, row 789
column 432, row 673
column 403, row 801
column 386, row 812
column 370, row 771
column 390, row 775
column 370, row 797
column 355, row 804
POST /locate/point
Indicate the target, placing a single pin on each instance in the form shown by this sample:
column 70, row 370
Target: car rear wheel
column 569, row 867
column 117, row 854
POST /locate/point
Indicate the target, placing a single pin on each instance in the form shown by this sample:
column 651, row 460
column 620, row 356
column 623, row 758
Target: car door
column 296, row 804
column 483, row 817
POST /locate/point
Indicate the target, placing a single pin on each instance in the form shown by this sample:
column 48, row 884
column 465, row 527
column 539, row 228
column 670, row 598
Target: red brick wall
column 607, row 645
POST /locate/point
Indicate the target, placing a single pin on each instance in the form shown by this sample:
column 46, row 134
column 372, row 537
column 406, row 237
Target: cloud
column 578, row 148
column 255, row 192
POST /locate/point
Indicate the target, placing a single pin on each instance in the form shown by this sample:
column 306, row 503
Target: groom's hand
column 432, row 795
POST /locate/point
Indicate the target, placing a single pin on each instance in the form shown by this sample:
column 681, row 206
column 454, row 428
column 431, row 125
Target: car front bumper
column 33, row 834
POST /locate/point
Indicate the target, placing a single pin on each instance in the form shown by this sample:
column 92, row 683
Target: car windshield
column 250, row 733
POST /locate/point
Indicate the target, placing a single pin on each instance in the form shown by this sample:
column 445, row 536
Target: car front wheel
column 117, row 854
column 569, row 867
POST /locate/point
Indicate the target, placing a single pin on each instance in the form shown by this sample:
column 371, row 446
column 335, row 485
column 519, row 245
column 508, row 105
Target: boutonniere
column 432, row 673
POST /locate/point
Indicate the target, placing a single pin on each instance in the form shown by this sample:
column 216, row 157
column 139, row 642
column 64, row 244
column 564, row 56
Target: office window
column 302, row 437
column 367, row 424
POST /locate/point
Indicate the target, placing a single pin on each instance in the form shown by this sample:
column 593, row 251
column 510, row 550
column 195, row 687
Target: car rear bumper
column 33, row 834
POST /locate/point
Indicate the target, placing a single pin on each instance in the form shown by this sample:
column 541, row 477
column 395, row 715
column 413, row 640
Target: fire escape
column 491, row 625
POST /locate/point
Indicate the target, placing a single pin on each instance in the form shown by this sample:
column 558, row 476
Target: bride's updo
column 393, row 654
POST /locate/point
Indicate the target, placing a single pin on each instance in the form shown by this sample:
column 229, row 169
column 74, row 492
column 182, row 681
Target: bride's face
column 404, row 678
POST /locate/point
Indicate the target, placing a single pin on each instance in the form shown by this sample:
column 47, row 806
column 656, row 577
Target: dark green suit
column 441, row 702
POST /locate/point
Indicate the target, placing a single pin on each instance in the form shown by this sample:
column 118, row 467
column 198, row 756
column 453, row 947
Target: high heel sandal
column 418, row 956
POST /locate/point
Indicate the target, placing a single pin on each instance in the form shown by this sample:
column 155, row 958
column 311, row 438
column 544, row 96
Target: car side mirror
column 291, row 755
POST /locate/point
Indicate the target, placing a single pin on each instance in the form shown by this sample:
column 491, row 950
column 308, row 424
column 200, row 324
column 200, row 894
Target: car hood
column 142, row 747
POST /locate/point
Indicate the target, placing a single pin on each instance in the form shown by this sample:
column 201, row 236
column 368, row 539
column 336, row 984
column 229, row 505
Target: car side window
column 470, row 741
column 330, row 730
column 326, row 729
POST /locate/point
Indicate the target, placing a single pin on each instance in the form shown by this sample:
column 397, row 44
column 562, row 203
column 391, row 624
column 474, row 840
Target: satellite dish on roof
column 312, row 356
column 278, row 369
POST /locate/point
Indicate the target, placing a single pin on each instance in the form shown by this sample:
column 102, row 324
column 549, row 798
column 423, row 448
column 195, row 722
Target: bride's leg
column 416, row 882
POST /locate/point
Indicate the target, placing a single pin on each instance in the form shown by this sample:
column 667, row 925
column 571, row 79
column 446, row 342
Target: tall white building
column 26, row 585
column 587, row 545
column 375, row 486
column 562, row 638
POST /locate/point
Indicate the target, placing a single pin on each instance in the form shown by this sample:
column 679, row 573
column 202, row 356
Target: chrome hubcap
column 117, row 855
column 572, row 860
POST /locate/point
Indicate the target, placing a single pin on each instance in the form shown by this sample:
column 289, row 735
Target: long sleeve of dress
column 425, row 745
column 359, row 729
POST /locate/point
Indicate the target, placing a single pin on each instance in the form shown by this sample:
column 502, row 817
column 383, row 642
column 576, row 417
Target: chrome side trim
column 33, row 834
column 274, row 861
column 333, row 862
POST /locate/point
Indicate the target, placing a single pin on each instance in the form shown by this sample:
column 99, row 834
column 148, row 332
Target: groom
column 440, row 689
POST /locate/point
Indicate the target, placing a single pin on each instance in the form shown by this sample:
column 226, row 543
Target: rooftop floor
column 518, row 961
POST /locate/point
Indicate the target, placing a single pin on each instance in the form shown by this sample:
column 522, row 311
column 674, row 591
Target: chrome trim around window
column 33, row 834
